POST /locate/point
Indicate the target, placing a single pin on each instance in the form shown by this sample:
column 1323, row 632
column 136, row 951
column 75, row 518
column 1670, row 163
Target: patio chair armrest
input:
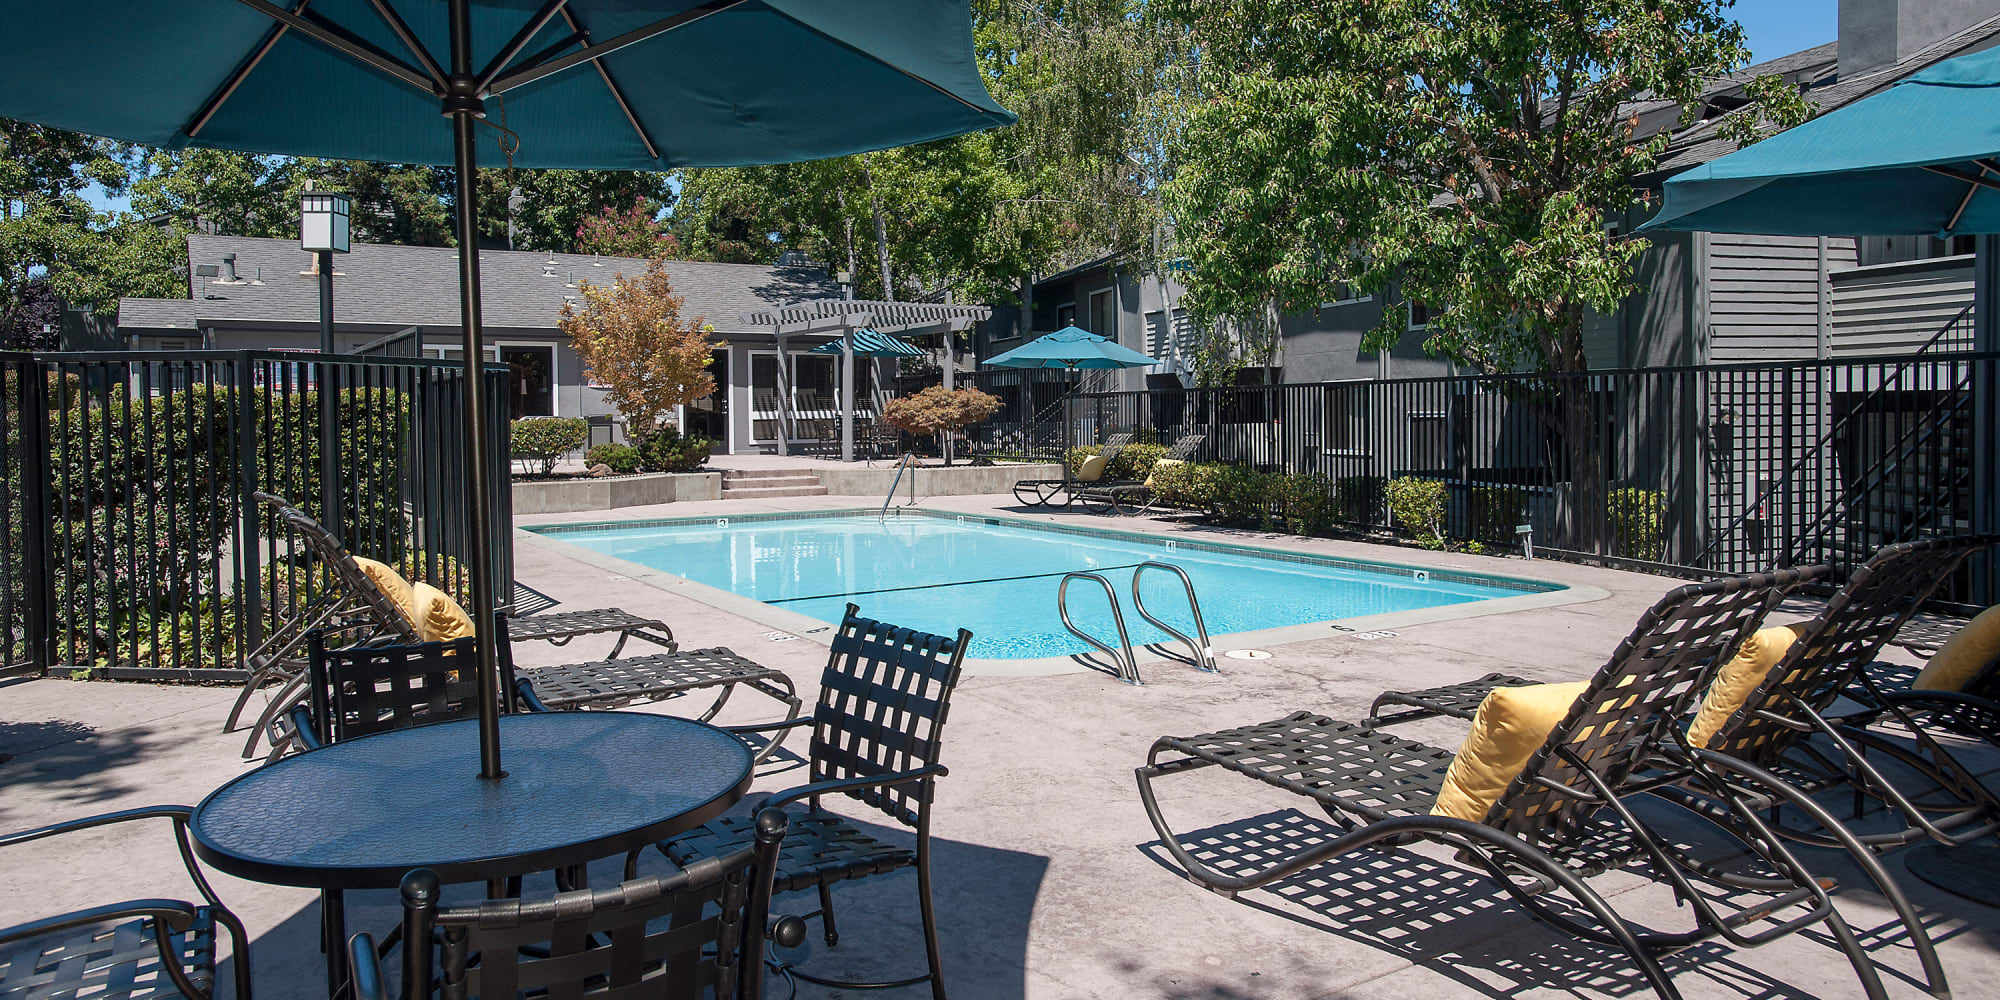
column 294, row 725
column 524, row 692
column 365, row 968
column 179, row 814
column 839, row 785
column 766, row 727
column 176, row 914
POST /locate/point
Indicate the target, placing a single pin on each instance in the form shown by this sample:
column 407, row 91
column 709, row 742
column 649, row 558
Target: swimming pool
column 998, row 576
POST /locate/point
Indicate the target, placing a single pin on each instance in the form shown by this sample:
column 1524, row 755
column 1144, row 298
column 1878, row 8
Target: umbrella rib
column 596, row 52
column 228, row 89
column 341, row 40
column 520, row 41
column 409, row 40
column 1960, row 175
column 582, row 34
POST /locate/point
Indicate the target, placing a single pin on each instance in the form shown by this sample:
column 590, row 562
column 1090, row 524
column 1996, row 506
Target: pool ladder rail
column 909, row 462
column 1122, row 657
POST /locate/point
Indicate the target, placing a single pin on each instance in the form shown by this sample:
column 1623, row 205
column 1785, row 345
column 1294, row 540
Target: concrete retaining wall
column 939, row 481
column 619, row 491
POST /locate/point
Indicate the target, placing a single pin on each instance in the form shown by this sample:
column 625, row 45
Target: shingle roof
column 156, row 314
column 397, row 286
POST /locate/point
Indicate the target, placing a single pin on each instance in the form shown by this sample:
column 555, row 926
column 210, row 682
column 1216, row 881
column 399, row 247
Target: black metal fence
column 132, row 539
column 1716, row 469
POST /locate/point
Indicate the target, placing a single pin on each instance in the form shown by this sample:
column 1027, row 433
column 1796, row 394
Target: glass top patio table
column 360, row 814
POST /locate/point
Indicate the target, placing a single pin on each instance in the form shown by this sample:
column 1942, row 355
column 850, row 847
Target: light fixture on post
column 323, row 232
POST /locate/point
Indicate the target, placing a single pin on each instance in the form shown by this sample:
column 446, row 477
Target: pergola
column 841, row 317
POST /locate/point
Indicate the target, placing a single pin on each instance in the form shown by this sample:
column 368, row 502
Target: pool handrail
column 1122, row 659
column 1204, row 653
column 908, row 461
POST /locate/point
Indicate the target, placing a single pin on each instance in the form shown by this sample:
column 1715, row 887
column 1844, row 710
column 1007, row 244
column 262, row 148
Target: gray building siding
column 1897, row 308
column 1765, row 295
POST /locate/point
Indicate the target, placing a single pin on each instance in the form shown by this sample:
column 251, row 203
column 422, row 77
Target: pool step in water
column 751, row 484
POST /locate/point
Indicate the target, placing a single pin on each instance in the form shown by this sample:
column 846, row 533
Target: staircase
column 754, row 484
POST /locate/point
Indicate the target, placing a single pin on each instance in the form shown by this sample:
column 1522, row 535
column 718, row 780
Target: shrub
column 1134, row 461
column 622, row 458
column 1493, row 511
column 666, row 449
column 1638, row 521
column 1418, row 508
column 938, row 411
column 1310, row 503
column 1189, row 486
column 1244, row 496
column 547, row 439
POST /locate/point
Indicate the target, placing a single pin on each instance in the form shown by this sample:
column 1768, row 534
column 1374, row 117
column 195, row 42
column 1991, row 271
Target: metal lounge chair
column 1043, row 492
column 696, row 934
column 1564, row 818
column 877, row 736
column 141, row 949
column 1129, row 498
column 609, row 683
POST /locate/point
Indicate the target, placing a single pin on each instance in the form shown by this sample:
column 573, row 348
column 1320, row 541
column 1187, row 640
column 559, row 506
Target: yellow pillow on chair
column 1737, row 678
column 1963, row 654
column 1092, row 469
column 438, row 617
column 391, row 584
column 1511, row 724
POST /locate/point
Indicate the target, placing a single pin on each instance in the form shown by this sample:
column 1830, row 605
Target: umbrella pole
column 463, row 107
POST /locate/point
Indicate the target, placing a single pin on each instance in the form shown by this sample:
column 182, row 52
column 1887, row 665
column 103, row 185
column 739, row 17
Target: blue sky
column 1775, row 28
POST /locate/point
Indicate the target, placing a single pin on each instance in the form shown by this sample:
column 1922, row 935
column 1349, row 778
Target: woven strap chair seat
column 1459, row 701
column 570, row 624
column 639, row 679
column 820, row 849
column 1923, row 635
column 107, row 962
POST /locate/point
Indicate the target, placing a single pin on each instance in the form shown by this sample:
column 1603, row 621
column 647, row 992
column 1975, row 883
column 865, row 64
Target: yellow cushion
column 391, row 584
column 1737, row 678
column 1962, row 655
column 1511, row 724
column 1156, row 468
column 1092, row 469
column 439, row 618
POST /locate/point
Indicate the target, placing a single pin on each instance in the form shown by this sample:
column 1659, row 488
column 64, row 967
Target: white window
column 1420, row 315
column 1345, row 295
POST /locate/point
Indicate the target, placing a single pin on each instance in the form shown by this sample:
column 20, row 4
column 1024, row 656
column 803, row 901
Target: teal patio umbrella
column 871, row 344
column 602, row 84
column 1072, row 348
column 1920, row 157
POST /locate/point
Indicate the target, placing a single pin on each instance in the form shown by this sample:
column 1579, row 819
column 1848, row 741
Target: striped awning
column 881, row 315
column 871, row 344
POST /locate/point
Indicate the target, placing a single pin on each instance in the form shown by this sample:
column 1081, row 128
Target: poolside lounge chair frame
column 608, row 683
column 1131, row 498
column 1564, row 818
column 1042, row 492
column 877, row 736
column 143, row 948
column 696, row 933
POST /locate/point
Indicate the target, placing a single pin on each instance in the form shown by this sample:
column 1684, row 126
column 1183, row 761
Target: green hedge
column 668, row 450
column 1418, row 507
column 622, row 459
column 144, row 500
column 547, row 439
column 1638, row 521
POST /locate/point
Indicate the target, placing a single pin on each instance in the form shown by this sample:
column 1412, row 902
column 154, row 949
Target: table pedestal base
column 1971, row 872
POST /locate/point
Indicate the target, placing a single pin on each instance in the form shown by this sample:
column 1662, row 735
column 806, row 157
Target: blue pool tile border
column 1496, row 581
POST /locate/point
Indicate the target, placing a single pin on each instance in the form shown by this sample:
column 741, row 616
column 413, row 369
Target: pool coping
column 1546, row 594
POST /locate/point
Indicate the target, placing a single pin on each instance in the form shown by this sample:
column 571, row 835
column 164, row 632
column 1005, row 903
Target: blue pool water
column 999, row 579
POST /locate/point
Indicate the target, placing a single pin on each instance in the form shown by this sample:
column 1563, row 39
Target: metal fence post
column 37, row 526
column 250, row 581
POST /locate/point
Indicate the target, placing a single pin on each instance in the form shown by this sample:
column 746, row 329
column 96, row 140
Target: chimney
column 1877, row 34
column 229, row 270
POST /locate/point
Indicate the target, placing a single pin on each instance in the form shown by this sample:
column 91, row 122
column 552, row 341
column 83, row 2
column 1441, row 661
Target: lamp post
column 323, row 233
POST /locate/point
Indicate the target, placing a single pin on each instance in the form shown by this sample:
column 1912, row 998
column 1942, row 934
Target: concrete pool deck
column 1049, row 880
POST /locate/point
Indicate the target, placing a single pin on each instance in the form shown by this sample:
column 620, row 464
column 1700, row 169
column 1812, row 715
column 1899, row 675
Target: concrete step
column 768, row 482
column 730, row 474
column 756, row 492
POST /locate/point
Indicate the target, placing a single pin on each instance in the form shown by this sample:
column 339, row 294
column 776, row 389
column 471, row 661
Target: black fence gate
column 133, row 544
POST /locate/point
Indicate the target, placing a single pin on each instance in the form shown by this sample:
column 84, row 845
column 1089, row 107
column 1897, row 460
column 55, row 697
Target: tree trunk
column 1582, row 439
column 881, row 235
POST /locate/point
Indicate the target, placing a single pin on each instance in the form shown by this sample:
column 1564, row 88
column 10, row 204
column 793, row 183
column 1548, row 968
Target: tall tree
column 632, row 338
column 53, row 239
column 1467, row 155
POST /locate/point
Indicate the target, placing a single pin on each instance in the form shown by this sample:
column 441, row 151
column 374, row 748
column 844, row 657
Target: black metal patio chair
column 877, row 736
column 695, row 934
column 1042, row 492
column 1565, row 817
column 356, row 691
column 141, row 949
column 613, row 682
